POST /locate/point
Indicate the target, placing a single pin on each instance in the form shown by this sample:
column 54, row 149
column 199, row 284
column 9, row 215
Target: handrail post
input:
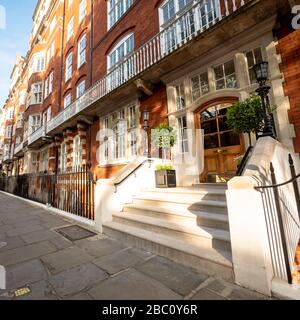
column 281, row 227
column 295, row 183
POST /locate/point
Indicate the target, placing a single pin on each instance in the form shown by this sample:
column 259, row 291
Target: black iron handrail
column 244, row 161
column 279, row 184
column 131, row 173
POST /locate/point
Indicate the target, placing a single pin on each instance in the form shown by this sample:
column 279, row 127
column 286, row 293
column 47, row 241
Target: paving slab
column 118, row 261
column 175, row 276
column 77, row 279
column 66, row 259
column 80, row 297
column 39, row 236
column 132, row 285
column 25, row 253
column 217, row 285
column 61, row 243
column 25, row 273
column 12, row 243
column 243, row 294
column 100, row 248
column 206, row 294
column 24, row 230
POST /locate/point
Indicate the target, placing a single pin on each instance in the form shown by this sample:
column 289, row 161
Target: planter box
column 165, row 179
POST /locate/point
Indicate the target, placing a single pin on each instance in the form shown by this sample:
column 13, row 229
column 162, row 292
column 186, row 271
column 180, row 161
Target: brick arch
column 119, row 37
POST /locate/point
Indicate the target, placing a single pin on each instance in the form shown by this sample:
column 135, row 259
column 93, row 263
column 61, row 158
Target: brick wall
column 289, row 49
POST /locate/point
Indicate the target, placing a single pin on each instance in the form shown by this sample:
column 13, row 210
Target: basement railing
column 192, row 22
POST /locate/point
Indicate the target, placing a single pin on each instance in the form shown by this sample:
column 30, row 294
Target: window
column 77, row 151
column 82, row 10
column 33, row 161
column 70, row 29
column 69, row 66
column 121, row 50
column 36, row 93
column 35, row 123
column 37, row 63
column 8, row 132
column 46, row 85
column 49, row 112
column 18, row 140
column 67, row 100
column 22, row 97
column 120, row 136
column 168, row 10
column 253, row 57
column 116, row 9
column 225, row 76
column 10, row 114
column 52, row 24
column 20, row 120
column 180, row 96
column 183, row 138
column 51, row 82
column 82, row 51
column 80, row 89
column 44, row 161
column 200, row 85
column 64, row 157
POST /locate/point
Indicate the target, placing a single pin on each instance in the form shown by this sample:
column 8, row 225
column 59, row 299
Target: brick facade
column 289, row 50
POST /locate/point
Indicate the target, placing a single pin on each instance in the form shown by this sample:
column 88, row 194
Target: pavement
column 41, row 264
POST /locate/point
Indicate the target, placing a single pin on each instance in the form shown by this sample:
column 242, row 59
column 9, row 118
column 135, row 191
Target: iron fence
column 71, row 191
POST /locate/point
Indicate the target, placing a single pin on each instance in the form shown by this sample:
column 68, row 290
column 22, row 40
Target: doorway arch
column 221, row 145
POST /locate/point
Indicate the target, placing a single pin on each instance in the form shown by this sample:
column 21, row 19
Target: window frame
column 82, row 51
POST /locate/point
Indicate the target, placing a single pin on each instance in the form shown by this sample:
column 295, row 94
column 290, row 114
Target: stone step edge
column 185, row 228
column 175, row 244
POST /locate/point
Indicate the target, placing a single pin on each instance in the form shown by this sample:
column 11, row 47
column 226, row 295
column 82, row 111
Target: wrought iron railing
column 71, row 191
column 282, row 204
column 192, row 22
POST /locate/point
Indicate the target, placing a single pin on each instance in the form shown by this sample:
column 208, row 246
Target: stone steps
column 188, row 225
column 210, row 261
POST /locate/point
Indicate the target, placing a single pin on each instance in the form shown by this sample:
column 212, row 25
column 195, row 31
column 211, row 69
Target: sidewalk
column 51, row 267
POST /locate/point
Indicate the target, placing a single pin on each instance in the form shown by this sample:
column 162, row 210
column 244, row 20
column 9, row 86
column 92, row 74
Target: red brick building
column 92, row 63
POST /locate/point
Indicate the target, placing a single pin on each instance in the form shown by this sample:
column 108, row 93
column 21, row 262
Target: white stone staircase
column 188, row 225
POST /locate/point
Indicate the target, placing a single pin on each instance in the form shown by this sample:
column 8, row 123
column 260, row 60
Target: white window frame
column 35, row 122
column 63, row 157
column 36, row 96
column 67, row 100
column 80, row 89
column 116, row 50
column 78, row 151
column 115, row 12
column 82, row 50
column 70, row 29
column 82, row 10
column 69, row 66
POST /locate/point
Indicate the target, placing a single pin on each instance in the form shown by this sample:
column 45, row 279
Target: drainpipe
column 62, row 57
column 91, row 42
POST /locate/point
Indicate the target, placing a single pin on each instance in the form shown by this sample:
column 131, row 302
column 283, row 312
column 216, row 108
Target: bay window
column 119, row 143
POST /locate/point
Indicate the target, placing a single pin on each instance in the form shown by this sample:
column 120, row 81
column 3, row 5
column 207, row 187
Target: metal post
column 281, row 227
column 295, row 183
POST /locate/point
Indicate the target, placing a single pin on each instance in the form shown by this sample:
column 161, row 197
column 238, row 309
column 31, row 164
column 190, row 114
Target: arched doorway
column 221, row 144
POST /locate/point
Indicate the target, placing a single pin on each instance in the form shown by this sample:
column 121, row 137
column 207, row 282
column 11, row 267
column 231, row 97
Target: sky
column 14, row 38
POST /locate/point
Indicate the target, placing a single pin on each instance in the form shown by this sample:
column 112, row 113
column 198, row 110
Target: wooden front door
column 221, row 145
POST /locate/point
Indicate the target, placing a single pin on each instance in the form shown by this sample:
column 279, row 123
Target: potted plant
column 165, row 176
column 164, row 138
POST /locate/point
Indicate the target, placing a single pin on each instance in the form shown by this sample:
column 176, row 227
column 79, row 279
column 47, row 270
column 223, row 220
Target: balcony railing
column 39, row 133
column 7, row 157
column 192, row 22
column 18, row 148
